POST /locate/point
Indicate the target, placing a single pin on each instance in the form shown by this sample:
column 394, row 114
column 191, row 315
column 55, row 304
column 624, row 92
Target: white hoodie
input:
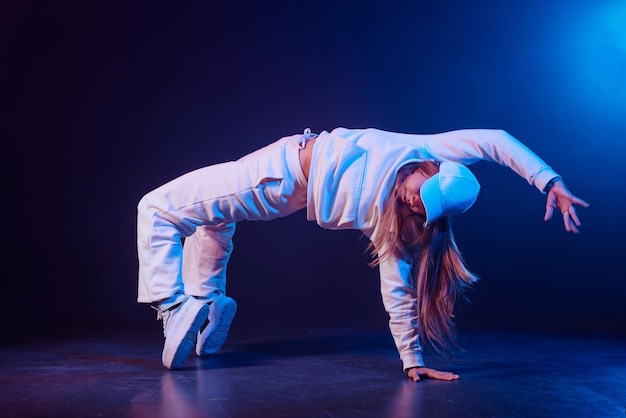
column 352, row 174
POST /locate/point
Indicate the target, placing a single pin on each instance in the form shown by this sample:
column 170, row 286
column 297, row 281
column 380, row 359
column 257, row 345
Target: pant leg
column 260, row 186
column 205, row 258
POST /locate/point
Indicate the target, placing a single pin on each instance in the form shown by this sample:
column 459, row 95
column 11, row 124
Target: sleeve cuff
column 551, row 184
column 410, row 360
column 543, row 178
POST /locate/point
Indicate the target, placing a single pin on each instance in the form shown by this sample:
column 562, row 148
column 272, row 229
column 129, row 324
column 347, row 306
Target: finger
column 566, row 222
column 442, row 375
column 573, row 228
column 580, row 202
column 574, row 215
column 573, row 219
column 449, row 377
column 549, row 212
column 569, row 225
column 413, row 375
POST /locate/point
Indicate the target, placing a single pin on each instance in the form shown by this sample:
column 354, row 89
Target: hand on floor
column 417, row 373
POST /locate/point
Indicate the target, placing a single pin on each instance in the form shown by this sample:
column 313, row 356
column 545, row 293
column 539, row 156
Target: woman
column 400, row 190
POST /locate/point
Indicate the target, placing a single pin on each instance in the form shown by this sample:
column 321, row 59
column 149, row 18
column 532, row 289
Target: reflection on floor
column 314, row 373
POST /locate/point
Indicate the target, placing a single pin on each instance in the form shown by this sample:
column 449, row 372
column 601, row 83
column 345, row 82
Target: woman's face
column 409, row 193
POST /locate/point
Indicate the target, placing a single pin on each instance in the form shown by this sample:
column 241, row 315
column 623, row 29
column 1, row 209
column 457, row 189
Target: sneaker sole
column 217, row 336
column 188, row 341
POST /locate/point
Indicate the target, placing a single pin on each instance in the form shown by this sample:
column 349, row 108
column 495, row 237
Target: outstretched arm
column 559, row 197
column 471, row 145
column 468, row 146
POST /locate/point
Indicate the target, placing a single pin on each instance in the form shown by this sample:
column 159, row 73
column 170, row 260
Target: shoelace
column 164, row 314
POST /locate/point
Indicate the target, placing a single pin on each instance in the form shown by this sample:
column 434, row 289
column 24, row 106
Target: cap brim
column 431, row 198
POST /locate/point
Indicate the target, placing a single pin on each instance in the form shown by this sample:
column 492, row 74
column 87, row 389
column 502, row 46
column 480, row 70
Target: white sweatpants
column 203, row 206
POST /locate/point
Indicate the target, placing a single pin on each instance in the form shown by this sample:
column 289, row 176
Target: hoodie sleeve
column 468, row 146
column 400, row 301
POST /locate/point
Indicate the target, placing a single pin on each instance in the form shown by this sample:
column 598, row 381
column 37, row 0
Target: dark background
column 104, row 101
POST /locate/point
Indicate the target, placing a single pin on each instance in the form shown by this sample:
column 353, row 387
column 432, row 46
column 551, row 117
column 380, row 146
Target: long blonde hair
column 438, row 271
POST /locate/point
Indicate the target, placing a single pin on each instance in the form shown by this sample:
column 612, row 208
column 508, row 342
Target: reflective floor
column 313, row 373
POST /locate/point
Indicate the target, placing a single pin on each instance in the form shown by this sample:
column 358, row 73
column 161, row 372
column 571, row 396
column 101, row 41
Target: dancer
column 400, row 190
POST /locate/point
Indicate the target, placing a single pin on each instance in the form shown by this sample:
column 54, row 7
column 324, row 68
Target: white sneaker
column 181, row 324
column 215, row 330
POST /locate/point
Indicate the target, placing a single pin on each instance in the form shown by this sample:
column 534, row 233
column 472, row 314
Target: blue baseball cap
column 452, row 191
